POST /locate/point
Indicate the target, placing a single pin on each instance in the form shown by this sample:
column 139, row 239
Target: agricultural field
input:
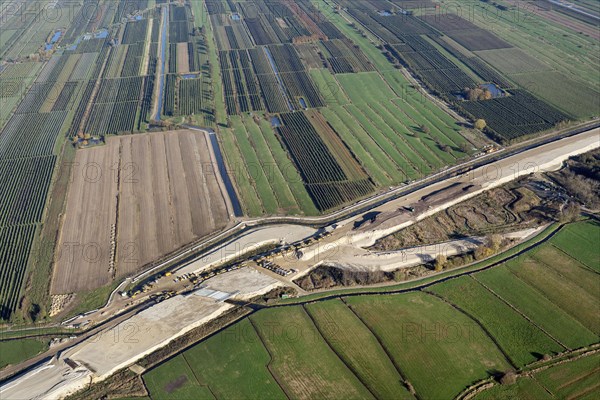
column 128, row 211
column 15, row 351
column 82, row 79
column 574, row 379
column 449, row 53
column 314, row 107
column 235, row 352
column 303, row 63
column 429, row 343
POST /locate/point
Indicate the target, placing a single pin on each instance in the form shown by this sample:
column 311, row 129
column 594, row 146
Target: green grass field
column 523, row 389
column 302, row 362
column 268, row 180
column 18, row 350
column 551, row 318
column 175, row 380
column 576, row 379
column 579, row 241
column 519, row 339
column 329, row 87
column 236, row 355
column 560, row 291
column 437, row 348
column 382, row 345
column 360, row 351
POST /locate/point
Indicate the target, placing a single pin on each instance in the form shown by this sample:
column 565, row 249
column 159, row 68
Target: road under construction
column 70, row 366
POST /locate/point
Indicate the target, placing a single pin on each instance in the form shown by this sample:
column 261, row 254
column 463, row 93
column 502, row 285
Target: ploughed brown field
column 183, row 62
column 139, row 197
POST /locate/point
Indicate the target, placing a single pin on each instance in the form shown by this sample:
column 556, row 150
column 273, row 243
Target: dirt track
column 156, row 192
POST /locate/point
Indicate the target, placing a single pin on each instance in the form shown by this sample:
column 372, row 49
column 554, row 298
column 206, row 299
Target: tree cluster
column 474, row 94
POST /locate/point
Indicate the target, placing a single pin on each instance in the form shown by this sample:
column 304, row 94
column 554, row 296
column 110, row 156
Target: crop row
column 487, row 73
column 239, row 82
column 401, row 25
column 179, row 13
column 119, row 90
column 111, row 118
column 435, row 69
column 133, row 60
column 146, row 103
column 215, row 7
column 52, row 69
column 35, row 97
column 286, row 58
column 169, row 95
column 259, row 20
column 15, row 243
column 233, row 42
column 173, row 58
column 346, row 57
column 89, row 46
column 81, row 107
column 314, row 160
column 194, row 59
column 179, row 31
column 329, row 195
column 296, row 82
column 24, row 185
column 314, row 13
column 465, row 32
column 135, row 31
column 86, row 61
column 515, row 115
column 27, row 135
column 191, row 96
column 300, row 86
column 66, row 98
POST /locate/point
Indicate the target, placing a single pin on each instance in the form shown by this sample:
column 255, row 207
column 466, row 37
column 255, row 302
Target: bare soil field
column 133, row 201
column 183, row 62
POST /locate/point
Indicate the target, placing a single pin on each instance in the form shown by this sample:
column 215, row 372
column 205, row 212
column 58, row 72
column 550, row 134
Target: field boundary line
column 585, row 266
column 195, row 376
column 558, row 273
column 352, row 370
column 383, row 153
column 525, row 371
column 572, row 381
column 485, row 330
column 271, row 358
column 405, row 380
column 541, row 294
column 472, row 276
column 409, row 146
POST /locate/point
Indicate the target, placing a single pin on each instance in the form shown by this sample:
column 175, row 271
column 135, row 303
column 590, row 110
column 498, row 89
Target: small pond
column 275, row 122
